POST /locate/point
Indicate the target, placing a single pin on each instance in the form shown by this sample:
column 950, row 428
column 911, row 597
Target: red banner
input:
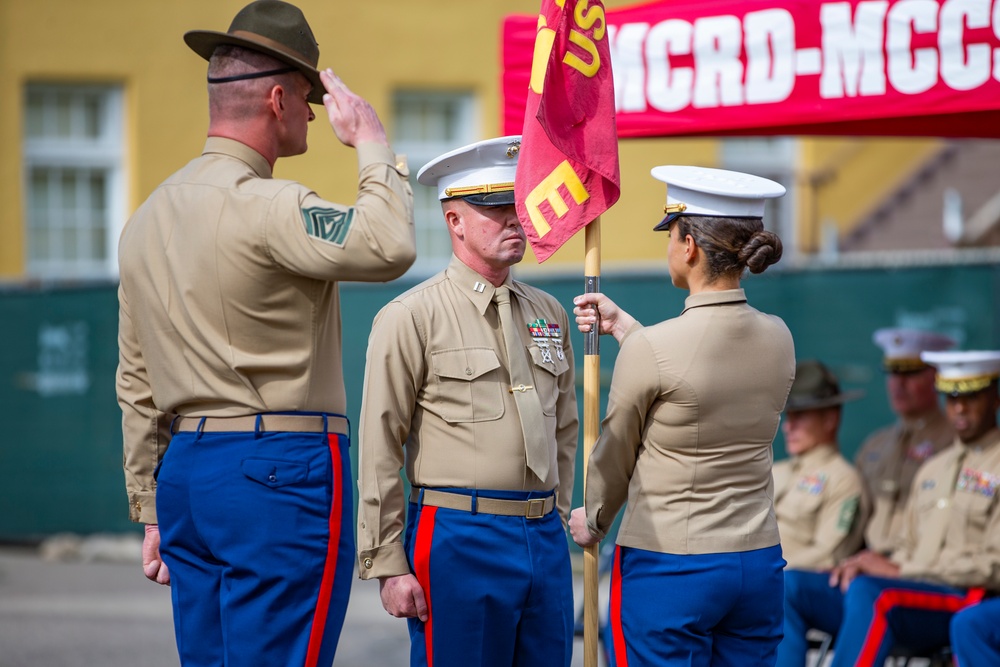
column 567, row 169
column 716, row 67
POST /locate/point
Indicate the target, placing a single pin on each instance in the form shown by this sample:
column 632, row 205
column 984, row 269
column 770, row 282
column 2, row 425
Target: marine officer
column 469, row 387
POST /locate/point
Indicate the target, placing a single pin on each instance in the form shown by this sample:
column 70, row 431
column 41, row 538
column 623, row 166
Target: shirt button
column 942, row 503
column 368, row 563
column 468, row 371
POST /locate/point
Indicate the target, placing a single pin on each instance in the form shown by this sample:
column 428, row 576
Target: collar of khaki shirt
column 917, row 423
column 242, row 152
column 987, row 440
column 816, row 455
column 479, row 290
column 714, row 298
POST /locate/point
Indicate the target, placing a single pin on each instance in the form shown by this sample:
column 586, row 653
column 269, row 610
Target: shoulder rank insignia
column 547, row 336
column 328, row 224
column 848, row 510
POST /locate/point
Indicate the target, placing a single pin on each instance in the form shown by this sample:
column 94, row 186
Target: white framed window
column 425, row 125
column 774, row 158
column 73, row 179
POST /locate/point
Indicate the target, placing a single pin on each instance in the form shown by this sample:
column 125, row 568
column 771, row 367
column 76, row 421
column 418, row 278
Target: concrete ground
column 85, row 603
column 68, row 606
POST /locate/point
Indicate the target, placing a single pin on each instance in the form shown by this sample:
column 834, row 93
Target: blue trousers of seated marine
column 975, row 634
column 256, row 531
column 873, row 617
column 703, row 610
column 499, row 589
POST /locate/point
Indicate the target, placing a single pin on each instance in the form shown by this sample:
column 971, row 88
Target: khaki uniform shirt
column 229, row 303
column 437, row 400
column 819, row 500
column 888, row 461
column 951, row 531
column 693, row 409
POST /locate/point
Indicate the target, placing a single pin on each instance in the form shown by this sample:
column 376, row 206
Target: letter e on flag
column 567, row 168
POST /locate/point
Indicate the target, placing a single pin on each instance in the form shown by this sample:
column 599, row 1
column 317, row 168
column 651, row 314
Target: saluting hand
column 403, row 597
column 613, row 320
column 152, row 565
column 352, row 118
column 579, row 530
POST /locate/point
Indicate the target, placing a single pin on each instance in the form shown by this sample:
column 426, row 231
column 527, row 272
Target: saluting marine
column 229, row 314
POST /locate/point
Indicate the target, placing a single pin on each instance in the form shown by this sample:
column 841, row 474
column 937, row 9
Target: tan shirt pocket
column 466, row 385
column 546, row 373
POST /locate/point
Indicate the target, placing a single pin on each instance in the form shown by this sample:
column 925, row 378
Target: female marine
column 693, row 409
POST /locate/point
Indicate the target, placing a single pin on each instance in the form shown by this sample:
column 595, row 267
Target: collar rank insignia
column 980, row 483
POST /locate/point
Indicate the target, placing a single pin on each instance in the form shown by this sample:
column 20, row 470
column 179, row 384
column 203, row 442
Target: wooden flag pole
column 591, row 431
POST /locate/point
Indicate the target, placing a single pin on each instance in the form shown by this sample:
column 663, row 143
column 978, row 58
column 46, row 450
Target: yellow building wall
column 377, row 48
column 843, row 181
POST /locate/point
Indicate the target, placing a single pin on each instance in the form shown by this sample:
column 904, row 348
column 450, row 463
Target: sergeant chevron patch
column 328, row 224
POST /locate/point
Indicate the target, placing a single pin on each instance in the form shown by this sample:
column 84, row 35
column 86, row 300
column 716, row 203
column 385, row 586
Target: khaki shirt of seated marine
column 888, row 461
column 821, row 509
column 951, row 533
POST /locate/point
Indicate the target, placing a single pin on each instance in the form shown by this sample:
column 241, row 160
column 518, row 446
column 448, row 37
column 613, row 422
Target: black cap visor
column 664, row 224
column 491, row 198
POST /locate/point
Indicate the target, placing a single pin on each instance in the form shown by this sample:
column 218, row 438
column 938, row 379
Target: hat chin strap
column 252, row 75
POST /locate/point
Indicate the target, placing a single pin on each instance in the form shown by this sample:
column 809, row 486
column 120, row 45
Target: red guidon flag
column 567, row 169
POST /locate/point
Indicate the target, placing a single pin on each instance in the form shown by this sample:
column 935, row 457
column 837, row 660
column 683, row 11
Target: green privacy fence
column 60, row 436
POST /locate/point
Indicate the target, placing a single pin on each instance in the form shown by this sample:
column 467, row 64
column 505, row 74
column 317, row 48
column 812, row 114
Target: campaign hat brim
column 797, row 404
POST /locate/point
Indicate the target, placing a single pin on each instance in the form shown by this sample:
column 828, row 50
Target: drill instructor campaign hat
column 816, row 387
column 701, row 191
column 481, row 173
column 272, row 27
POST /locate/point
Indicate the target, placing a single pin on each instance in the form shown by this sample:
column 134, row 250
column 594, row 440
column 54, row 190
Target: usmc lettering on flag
column 697, row 68
column 567, row 172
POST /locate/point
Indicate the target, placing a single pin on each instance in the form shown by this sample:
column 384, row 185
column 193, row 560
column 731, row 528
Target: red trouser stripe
column 618, row 636
column 892, row 598
column 332, row 547
column 974, row 596
column 422, row 567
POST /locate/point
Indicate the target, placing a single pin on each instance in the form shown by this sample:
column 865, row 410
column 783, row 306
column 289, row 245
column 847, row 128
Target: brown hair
column 239, row 100
column 731, row 245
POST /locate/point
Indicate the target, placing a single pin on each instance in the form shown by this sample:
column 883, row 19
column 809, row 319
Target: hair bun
column 761, row 251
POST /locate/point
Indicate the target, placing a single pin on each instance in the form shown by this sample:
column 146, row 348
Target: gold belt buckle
column 536, row 508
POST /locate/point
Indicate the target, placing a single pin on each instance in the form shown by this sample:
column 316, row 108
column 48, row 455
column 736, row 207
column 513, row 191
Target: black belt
column 535, row 508
column 253, row 423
